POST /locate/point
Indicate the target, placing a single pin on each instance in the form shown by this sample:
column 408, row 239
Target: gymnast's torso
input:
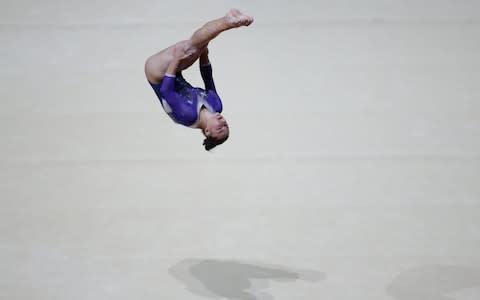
column 182, row 102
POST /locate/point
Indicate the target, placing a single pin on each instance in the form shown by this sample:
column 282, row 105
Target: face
column 217, row 127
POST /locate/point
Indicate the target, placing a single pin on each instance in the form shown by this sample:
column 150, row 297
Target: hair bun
column 209, row 143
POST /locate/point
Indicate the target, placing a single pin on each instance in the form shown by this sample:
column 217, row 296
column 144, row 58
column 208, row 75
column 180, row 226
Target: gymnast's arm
column 167, row 88
column 206, row 71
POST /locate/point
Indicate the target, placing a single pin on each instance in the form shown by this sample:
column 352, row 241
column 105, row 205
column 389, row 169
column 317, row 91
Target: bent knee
column 156, row 66
column 152, row 70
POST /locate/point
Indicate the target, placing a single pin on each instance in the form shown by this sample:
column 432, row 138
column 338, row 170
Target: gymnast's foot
column 235, row 18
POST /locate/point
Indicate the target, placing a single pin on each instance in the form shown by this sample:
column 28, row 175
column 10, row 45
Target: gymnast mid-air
column 192, row 106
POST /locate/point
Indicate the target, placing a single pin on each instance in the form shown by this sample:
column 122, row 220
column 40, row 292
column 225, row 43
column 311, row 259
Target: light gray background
column 352, row 171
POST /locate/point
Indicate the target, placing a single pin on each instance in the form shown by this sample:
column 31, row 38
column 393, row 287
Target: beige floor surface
column 352, row 170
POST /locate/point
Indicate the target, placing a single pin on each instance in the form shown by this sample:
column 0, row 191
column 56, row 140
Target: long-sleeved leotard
column 182, row 102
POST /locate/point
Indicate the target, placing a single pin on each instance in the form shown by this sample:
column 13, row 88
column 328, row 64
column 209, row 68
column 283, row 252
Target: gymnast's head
column 216, row 131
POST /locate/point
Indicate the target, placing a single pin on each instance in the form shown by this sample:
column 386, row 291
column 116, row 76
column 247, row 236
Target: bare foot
column 236, row 19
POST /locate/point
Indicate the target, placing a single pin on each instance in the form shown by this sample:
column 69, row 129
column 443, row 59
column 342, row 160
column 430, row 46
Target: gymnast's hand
column 179, row 59
column 184, row 55
column 179, row 53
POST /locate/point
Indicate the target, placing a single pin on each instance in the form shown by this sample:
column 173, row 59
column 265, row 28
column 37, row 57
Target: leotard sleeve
column 206, row 71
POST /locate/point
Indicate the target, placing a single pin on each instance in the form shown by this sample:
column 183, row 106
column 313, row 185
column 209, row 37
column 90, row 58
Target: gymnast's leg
column 156, row 65
column 200, row 39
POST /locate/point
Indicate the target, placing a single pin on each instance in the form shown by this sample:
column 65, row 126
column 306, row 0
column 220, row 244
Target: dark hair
column 211, row 143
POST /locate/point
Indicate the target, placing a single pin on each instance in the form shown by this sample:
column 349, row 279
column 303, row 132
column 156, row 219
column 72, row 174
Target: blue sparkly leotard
column 182, row 102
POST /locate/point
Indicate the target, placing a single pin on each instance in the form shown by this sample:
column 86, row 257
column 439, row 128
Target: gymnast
column 186, row 105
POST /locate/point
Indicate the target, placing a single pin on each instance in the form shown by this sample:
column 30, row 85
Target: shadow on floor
column 434, row 282
column 219, row 279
